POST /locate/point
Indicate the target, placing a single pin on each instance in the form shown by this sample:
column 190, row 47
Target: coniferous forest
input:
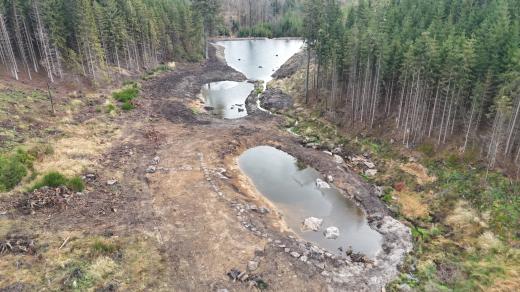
column 436, row 70
column 90, row 37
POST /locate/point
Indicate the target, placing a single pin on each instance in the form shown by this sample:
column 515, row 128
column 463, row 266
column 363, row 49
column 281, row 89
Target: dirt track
column 194, row 208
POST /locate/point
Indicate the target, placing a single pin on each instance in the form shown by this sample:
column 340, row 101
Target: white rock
column 156, row 160
column 328, row 152
column 330, row 178
column 325, row 274
column 371, row 172
column 369, row 164
column 111, row 182
column 151, row 169
column 312, row 223
column 252, row 266
column 321, row 184
column 338, row 159
column 331, row 232
column 295, row 254
column 303, row 258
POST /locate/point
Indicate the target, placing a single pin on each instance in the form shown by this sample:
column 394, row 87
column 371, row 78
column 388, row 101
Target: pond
column 257, row 60
column 293, row 190
column 227, row 98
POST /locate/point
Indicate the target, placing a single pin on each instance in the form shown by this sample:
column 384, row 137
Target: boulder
column 252, row 266
column 151, row 169
column 331, row 232
column 312, row 223
column 275, row 99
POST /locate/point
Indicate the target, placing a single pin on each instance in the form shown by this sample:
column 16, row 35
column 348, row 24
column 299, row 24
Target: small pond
column 227, row 98
column 292, row 189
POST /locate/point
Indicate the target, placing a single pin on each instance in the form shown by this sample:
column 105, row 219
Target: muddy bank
column 346, row 273
column 187, row 80
column 292, row 65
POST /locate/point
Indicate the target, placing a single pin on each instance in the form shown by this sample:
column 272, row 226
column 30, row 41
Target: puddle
column 292, row 189
column 259, row 59
column 227, row 98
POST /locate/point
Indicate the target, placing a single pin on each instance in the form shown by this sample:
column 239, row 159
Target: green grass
column 56, row 179
column 13, row 168
column 110, row 108
column 127, row 106
column 125, row 96
column 156, row 71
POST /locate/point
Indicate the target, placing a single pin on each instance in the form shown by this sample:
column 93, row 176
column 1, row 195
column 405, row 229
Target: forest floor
column 165, row 207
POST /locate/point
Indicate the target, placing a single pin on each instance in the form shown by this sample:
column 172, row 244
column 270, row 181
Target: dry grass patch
column 85, row 263
column 465, row 220
column 80, row 149
column 411, row 204
column 419, row 172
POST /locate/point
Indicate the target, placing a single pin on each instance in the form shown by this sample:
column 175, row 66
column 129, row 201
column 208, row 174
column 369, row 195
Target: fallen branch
column 64, row 242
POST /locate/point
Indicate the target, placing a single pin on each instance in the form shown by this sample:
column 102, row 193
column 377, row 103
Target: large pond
column 292, row 188
column 257, row 60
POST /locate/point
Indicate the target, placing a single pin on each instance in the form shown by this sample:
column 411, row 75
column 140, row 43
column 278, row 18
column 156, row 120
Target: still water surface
column 294, row 192
column 259, row 59
column 227, row 98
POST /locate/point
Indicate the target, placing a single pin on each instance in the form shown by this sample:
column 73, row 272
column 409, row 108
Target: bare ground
column 178, row 213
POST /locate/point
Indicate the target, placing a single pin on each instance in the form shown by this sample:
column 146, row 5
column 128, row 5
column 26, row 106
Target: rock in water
column 312, row 223
column 331, row 232
column 276, row 99
column 322, row 184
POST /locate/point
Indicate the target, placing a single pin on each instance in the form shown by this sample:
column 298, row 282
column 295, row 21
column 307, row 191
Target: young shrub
column 13, row 168
column 127, row 94
column 76, row 184
column 12, row 171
